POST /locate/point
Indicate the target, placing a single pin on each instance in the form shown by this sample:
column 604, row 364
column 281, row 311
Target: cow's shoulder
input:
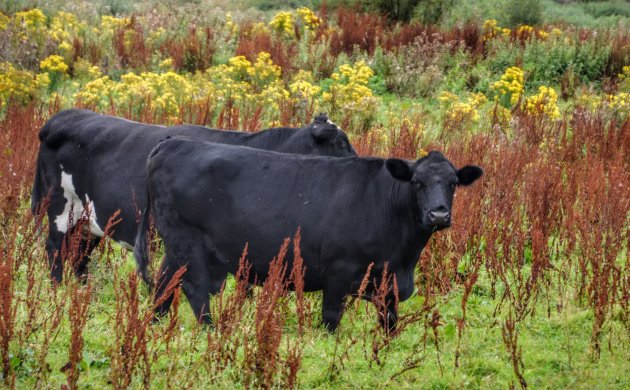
column 64, row 124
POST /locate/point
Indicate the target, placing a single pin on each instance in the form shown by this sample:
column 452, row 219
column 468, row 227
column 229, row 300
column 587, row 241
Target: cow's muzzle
column 440, row 218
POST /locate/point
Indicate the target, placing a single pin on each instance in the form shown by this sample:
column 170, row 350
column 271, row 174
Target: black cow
column 209, row 200
column 88, row 161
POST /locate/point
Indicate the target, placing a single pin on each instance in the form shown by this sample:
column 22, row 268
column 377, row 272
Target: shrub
column 432, row 11
column 415, row 70
column 527, row 12
column 399, row 10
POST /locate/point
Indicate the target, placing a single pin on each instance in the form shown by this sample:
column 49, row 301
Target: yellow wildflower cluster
column 524, row 31
column 20, row 85
column 166, row 64
column 29, row 25
column 350, row 90
column 242, row 81
column 94, row 91
column 620, row 103
column 84, row 70
column 264, row 71
column 4, row 21
column 109, row 25
column 32, row 19
column 544, row 103
column 63, row 26
column 230, row 26
column 510, row 87
column 624, row 79
column 302, row 87
column 308, row 18
column 167, row 92
column 259, row 28
column 491, row 29
column 556, row 32
column 460, row 111
column 282, row 24
column 53, row 64
column 591, row 102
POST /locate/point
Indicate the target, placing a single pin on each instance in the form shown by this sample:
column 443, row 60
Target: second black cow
column 209, row 200
column 94, row 164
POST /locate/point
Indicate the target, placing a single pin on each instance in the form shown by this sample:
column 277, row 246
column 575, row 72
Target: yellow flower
column 461, row 112
column 282, row 24
column 624, row 78
column 510, row 87
column 308, row 18
column 302, row 87
column 524, row 31
column 349, row 89
column 259, row 28
column 19, row 85
column 556, row 32
column 620, row 103
column 94, row 91
column 591, row 102
column 544, row 103
column 84, row 70
column 264, row 71
column 53, row 64
column 491, row 29
column 31, row 19
column 4, row 21
column 166, row 64
column 230, row 26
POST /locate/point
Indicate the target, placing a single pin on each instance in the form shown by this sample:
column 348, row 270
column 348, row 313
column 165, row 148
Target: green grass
column 555, row 347
column 597, row 14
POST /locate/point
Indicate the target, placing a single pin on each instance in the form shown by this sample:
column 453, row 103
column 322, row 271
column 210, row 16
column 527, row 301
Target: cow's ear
column 324, row 133
column 468, row 174
column 399, row 169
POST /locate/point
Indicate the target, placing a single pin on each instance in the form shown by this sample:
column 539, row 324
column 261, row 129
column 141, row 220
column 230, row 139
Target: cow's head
column 433, row 179
column 326, row 138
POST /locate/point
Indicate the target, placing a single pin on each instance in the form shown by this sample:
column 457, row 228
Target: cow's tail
column 40, row 187
column 141, row 246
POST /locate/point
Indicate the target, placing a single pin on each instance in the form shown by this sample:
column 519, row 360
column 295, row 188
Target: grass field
column 530, row 287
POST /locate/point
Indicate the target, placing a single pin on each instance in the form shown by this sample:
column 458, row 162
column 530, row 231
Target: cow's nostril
column 439, row 217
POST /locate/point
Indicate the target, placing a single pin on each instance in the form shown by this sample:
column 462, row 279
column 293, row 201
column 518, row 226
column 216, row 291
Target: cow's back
column 238, row 195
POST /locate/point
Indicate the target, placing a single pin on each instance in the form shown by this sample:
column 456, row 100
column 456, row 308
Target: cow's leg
column 197, row 281
column 86, row 246
column 54, row 243
column 333, row 305
column 216, row 276
column 198, row 284
column 165, row 275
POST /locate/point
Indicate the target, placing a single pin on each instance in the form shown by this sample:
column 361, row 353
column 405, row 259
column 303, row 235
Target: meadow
column 530, row 287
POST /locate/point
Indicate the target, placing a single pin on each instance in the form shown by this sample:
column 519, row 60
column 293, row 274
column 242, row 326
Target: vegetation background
column 529, row 288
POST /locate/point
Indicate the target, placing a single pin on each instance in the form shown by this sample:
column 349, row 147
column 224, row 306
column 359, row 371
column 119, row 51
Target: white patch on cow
column 94, row 228
column 333, row 123
column 74, row 207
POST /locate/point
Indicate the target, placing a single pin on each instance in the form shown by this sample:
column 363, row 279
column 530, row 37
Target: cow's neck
column 270, row 139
